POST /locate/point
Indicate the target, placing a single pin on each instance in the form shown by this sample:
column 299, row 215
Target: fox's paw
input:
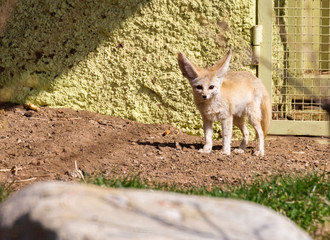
column 226, row 153
column 205, row 150
column 238, row 151
column 258, row 153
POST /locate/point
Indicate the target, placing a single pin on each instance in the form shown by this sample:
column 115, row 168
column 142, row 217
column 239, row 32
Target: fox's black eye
column 211, row 87
column 199, row 87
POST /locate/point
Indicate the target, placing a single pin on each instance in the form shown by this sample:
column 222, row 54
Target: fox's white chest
column 219, row 108
column 213, row 110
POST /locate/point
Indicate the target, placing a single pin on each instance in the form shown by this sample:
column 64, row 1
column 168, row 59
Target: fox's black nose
column 204, row 96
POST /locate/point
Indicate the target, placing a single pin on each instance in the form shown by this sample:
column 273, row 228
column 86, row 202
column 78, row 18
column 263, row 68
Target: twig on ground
column 25, row 180
column 79, row 172
column 13, row 170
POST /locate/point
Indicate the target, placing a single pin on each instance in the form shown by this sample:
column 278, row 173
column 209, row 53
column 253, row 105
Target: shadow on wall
column 40, row 40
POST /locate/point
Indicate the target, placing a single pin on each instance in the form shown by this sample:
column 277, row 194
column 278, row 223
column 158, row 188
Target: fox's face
column 206, row 83
column 206, row 87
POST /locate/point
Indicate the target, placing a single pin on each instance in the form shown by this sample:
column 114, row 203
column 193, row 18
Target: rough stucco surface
column 119, row 57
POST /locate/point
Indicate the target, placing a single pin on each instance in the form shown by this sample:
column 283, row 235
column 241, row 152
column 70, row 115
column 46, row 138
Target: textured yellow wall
column 119, row 57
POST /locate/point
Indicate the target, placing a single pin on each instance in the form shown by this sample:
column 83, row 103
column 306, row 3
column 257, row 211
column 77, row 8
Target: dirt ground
column 46, row 144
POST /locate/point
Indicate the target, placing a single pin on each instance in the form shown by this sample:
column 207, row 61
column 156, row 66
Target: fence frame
column 264, row 17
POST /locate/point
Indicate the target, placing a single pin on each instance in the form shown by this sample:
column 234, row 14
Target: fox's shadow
column 170, row 144
column 174, row 145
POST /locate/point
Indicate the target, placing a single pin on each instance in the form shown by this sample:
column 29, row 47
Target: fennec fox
column 228, row 97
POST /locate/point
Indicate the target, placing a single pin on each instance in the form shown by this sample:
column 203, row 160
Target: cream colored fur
column 228, row 97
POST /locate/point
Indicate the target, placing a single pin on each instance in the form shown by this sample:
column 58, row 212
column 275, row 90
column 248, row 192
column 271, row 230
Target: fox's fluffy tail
column 266, row 111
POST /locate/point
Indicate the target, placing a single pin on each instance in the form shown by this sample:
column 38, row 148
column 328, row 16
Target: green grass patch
column 5, row 190
column 304, row 199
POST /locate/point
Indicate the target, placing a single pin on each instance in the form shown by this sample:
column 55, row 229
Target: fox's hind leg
column 256, row 123
column 240, row 123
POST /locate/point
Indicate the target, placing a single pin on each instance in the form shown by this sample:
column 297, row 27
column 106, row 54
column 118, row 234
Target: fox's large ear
column 187, row 68
column 222, row 66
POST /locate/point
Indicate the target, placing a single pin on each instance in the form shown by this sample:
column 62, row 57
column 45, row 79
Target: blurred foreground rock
column 57, row 210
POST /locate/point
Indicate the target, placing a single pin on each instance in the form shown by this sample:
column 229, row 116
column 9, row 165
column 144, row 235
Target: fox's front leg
column 227, row 129
column 208, row 132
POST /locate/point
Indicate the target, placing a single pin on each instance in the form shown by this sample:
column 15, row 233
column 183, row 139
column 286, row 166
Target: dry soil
column 46, row 144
